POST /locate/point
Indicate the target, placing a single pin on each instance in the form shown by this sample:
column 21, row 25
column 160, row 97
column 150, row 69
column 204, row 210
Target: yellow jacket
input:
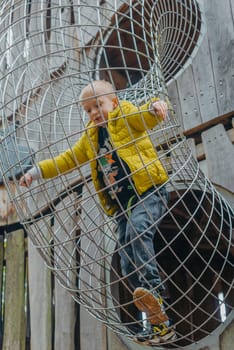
column 127, row 126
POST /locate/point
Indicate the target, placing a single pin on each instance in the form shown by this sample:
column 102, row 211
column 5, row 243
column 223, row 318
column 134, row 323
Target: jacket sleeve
column 66, row 161
column 142, row 117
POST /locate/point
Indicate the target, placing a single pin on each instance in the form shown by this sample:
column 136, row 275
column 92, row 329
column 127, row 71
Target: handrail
column 75, row 186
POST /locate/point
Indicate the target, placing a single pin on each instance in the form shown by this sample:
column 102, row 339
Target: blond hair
column 98, row 88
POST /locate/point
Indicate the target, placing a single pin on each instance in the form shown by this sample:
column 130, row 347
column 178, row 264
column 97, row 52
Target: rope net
column 50, row 51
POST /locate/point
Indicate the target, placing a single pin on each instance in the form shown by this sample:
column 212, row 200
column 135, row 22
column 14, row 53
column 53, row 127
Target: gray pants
column 136, row 234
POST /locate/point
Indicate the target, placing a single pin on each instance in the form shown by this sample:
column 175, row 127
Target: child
column 129, row 178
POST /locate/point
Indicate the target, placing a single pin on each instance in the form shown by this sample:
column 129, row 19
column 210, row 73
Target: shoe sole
column 163, row 339
column 147, row 341
column 148, row 303
column 157, row 340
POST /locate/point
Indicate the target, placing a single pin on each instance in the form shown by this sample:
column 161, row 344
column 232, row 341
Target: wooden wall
column 205, row 89
column 203, row 95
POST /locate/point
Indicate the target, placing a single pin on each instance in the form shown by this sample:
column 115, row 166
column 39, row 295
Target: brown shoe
column 152, row 305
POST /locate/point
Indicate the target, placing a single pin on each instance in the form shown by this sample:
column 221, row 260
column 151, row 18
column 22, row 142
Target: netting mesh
column 49, row 51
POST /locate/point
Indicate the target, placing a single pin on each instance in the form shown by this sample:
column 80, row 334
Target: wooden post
column 219, row 152
column 14, row 310
column 40, row 301
column 65, row 316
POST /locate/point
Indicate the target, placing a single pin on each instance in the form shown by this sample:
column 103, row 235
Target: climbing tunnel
column 50, row 51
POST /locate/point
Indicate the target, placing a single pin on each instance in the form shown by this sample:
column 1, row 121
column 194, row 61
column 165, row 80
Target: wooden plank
column 1, row 282
column 200, row 151
column 175, row 101
column 7, row 209
column 35, row 48
column 14, row 312
column 224, row 119
column 206, row 87
column 220, row 29
column 65, row 318
column 89, row 20
column 92, row 331
column 13, row 85
column 40, row 300
column 1, row 264
column 219, row 156
column 205, row 90
column 232, row 7
column 4, row 23
column 14, row 289
column 190, row 110
column 58, row 35
column 66, row 272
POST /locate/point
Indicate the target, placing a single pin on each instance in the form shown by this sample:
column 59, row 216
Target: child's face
column 97, row 108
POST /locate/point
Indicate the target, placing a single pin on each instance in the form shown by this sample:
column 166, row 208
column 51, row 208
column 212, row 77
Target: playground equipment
column 49, row 53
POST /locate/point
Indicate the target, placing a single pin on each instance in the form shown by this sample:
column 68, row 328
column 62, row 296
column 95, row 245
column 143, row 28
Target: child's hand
column 160, row 109
column 26, row 180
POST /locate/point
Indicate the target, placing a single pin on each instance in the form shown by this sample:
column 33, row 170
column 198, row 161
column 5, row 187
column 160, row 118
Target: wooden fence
column 31, row 297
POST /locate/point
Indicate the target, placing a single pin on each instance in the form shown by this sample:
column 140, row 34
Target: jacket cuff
column 35, row 172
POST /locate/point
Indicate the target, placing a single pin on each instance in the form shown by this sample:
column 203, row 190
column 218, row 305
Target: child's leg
column 126, row 256
column 140, row 231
